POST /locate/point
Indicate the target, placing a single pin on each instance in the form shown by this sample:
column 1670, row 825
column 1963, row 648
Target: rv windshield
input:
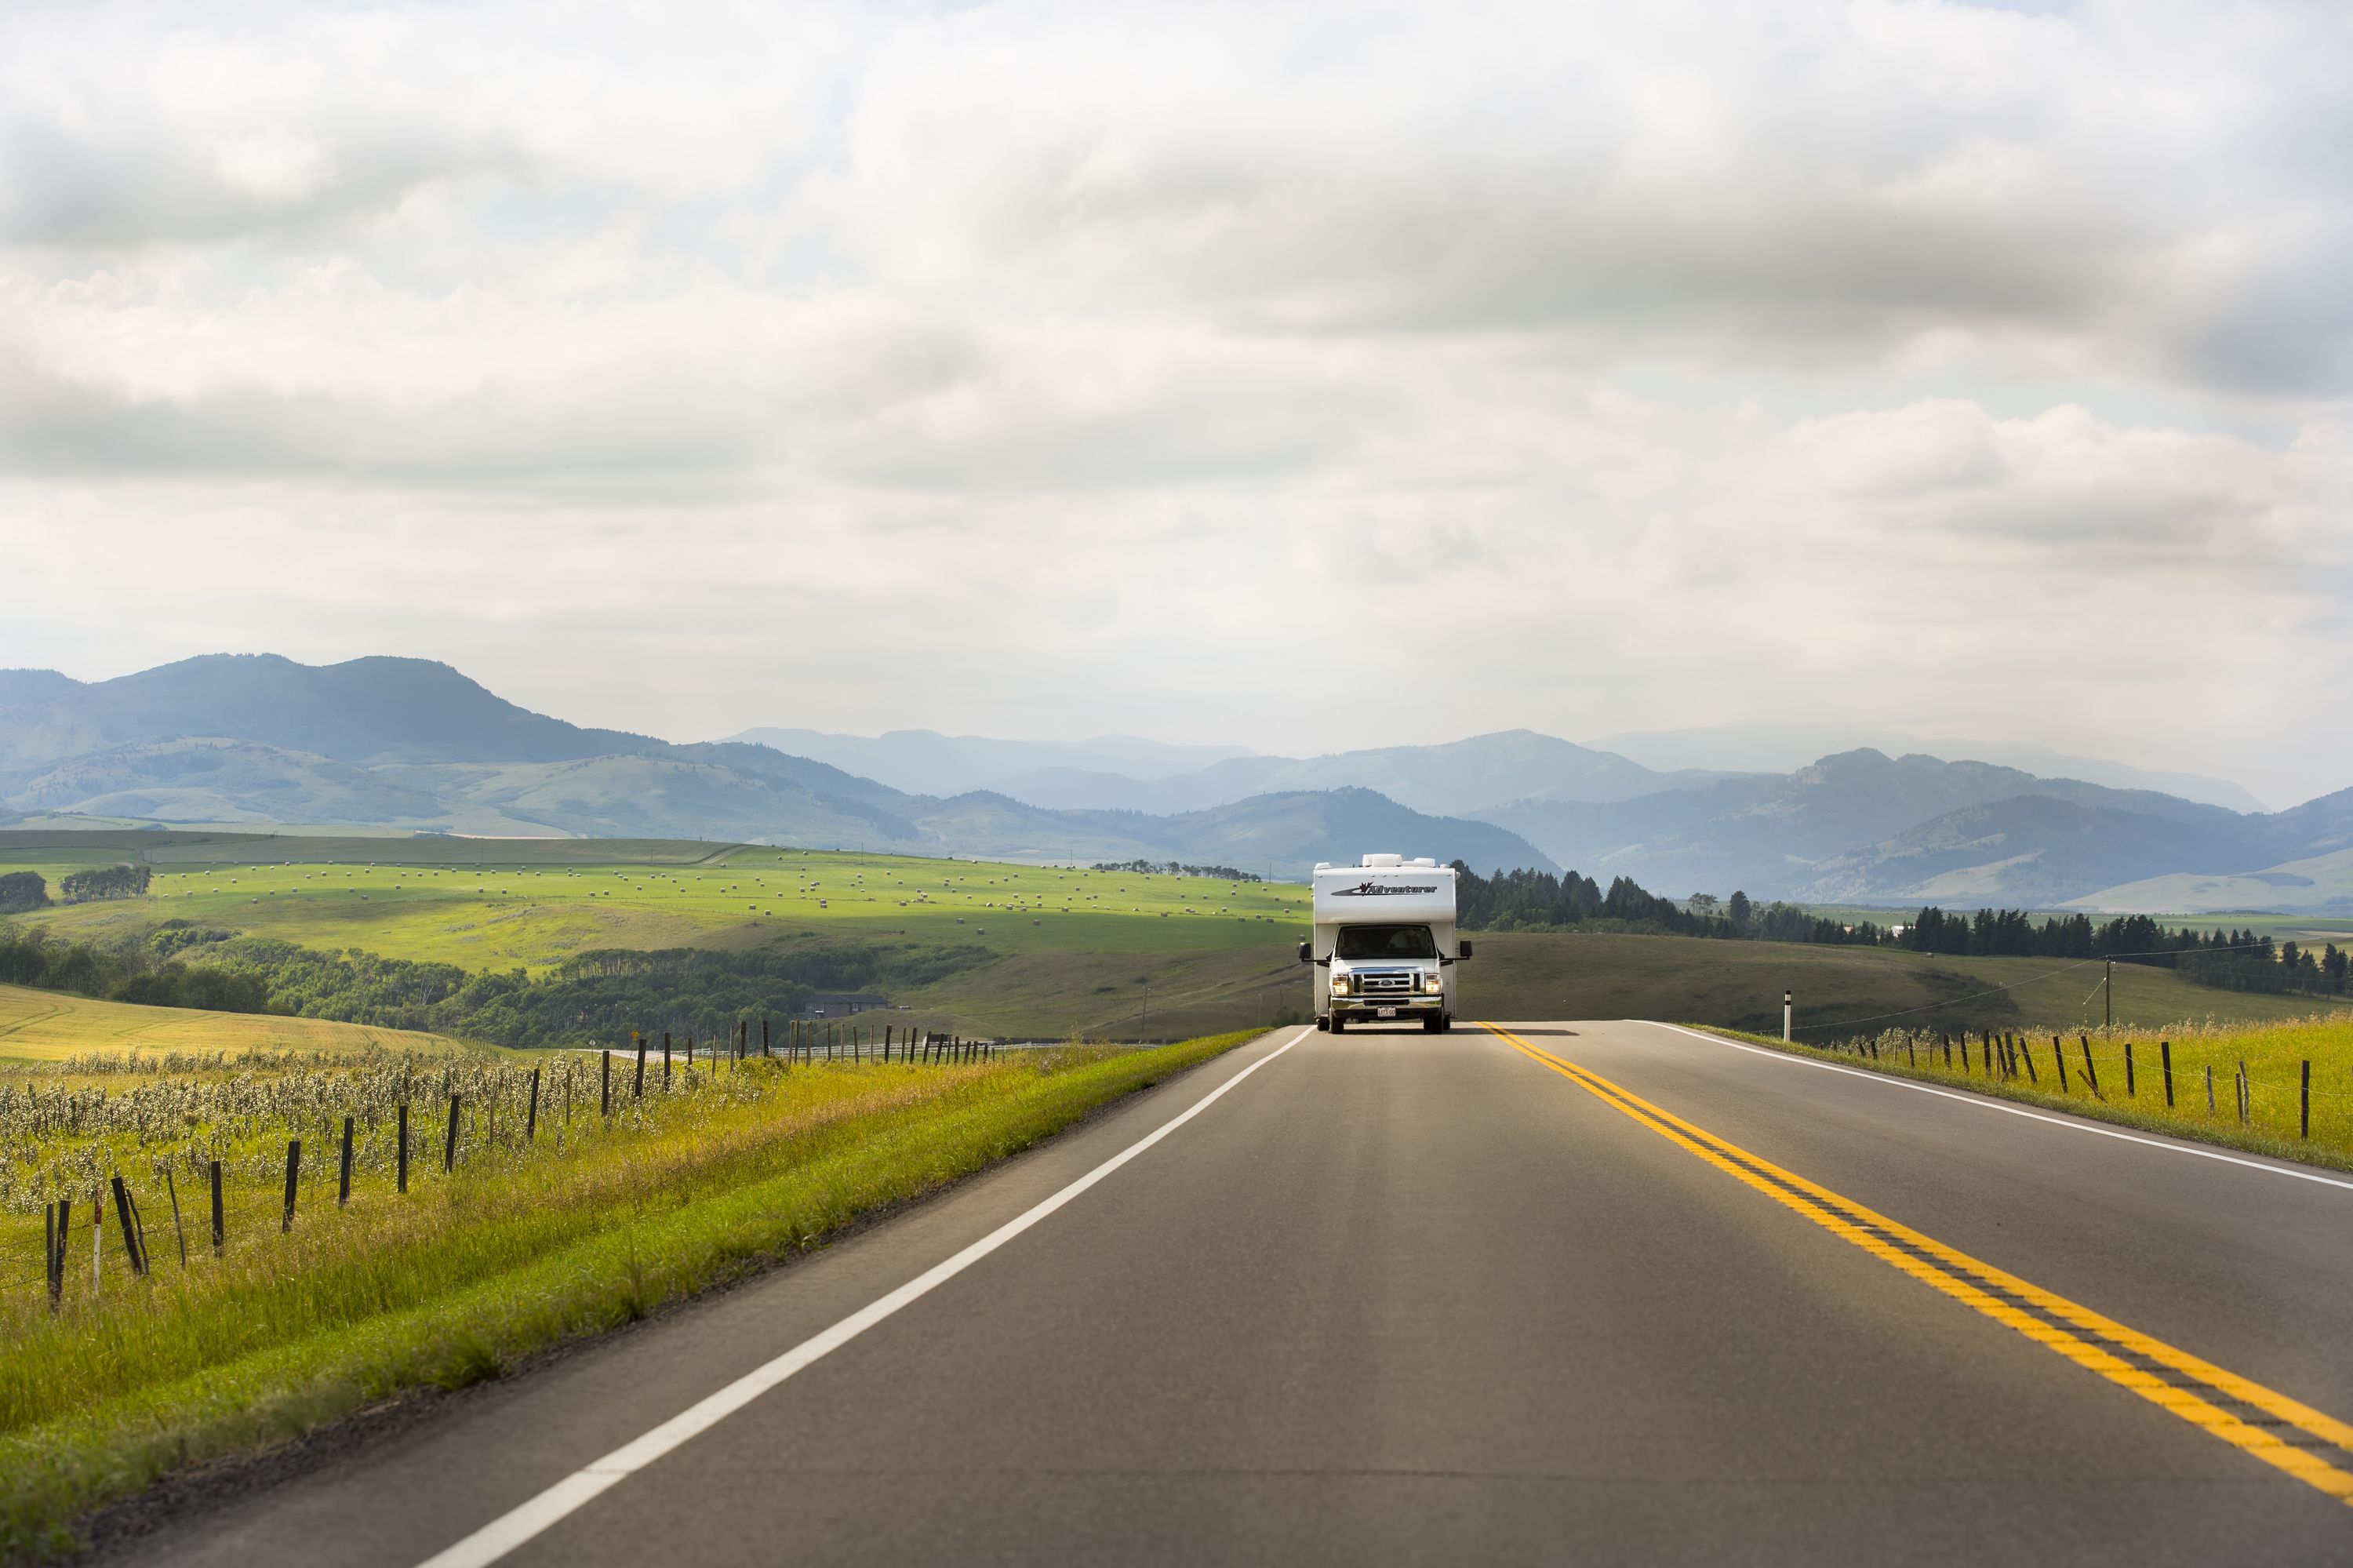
column 1385, row 942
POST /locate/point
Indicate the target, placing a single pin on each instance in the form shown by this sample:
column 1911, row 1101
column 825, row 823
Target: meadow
column 518, row 1229
column 1118, row 954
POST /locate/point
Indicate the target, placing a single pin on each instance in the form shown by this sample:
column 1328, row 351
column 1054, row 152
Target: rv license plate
column 1388, row 1012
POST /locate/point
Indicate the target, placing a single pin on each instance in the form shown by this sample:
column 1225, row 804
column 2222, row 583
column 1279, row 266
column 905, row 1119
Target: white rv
column 1384, row 945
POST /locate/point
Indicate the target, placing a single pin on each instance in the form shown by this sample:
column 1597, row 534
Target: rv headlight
column 1339, row 985
column 1433, row 980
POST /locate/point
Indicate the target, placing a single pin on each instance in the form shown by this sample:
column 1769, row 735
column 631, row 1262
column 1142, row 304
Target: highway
column 1541, row 1292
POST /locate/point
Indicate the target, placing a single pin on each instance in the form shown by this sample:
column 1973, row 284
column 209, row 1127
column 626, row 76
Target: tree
column 105, row 882
column 1739, row 909
column 23, row 890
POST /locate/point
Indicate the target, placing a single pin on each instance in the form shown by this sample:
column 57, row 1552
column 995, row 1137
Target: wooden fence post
column 403, row 1150
column 2303, row 1100
column 2026, row 1049
column 531, row 1122
column 220, row 1233
column 605, row 1083
column 293, row 1173
column 130, row 1231
column 179, row 1231
column 2164, row 1061
column 639, row 1042
column 450, row 1143
column 53, row 1259
column 2210, row 1088
column 2091, row 1072
column 666, row 1060
column 765, row 1052
column 2059, row 1054
column 343, row 1176
column 2129, row 1090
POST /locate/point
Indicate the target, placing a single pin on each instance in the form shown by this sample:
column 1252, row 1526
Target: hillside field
column 50, row 1026
column 1109, row 954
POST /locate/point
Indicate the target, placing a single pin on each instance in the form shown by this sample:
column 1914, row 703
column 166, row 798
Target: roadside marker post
column 1786, row 1007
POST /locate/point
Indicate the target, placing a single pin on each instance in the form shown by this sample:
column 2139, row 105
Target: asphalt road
column 1400, row 1297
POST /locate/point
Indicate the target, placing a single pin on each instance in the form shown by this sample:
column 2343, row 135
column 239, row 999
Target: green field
column 1107, row 954
column 1838, row 990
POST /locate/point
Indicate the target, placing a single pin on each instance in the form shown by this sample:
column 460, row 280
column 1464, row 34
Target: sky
column 1300, row 376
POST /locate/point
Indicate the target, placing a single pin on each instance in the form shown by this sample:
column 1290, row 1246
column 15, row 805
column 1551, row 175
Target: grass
column 1114, row 955
column 2269, row 1053
column 524, row 1248
column 52, row 1026
column 1838, row 990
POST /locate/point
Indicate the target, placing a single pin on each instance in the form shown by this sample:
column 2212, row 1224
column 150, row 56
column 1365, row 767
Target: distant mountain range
column 403, row 743
column 1862, row 827
column 1760, row 746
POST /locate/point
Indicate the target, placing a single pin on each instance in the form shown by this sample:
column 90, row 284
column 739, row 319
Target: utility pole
column 1785, row 1018
column 2108, row 992
column 1147, row 1007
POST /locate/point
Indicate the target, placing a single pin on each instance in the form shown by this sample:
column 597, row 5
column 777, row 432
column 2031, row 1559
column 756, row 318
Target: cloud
column 1052, row 367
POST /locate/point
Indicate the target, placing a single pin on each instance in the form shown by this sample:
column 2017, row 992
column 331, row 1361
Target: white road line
column 519, row 1524
column 1987, row 1103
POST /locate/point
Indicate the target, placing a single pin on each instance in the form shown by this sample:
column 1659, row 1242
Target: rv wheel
column 1322, row 1024
column 1339, row 1024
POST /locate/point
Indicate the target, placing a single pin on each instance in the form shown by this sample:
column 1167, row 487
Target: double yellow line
column 2316, row 1448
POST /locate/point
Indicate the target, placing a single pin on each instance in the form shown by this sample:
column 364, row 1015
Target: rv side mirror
column 1307, row 953
column 1463, row 949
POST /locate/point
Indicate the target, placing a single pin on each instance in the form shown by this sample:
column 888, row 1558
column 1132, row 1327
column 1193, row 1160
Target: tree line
column 594, row 996
column 2233, row 960
column 1539, row 901
column 1172, row 868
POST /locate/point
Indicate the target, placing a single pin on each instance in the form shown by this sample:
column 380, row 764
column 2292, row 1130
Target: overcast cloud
column 1301, row 377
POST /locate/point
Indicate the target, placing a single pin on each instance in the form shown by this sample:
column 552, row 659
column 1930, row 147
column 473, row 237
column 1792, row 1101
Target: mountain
column 1448, row 779
column 2031, row 852
column 925, row 762
column 2304, row 864
column 2320, row 884
column 366, row 711
column 404, row 743
column 1765, row 747
column 1777, row 836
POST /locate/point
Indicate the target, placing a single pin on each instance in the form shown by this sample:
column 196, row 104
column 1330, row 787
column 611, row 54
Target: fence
column 2203, row 1086
column 211, row 1140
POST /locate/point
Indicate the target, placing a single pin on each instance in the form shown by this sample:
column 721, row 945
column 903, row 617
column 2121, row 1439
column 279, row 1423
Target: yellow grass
column 50, row 1026
column 2271, row 1054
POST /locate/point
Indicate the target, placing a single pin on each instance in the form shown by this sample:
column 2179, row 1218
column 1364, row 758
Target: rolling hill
column 407, row 744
